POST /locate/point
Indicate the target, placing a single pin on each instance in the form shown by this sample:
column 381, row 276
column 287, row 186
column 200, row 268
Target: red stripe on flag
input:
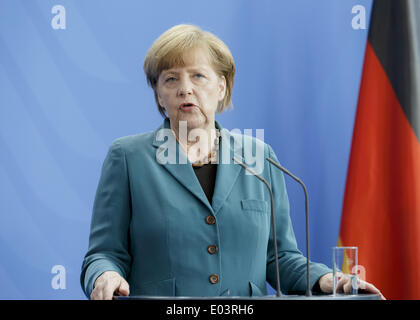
column 381, row 209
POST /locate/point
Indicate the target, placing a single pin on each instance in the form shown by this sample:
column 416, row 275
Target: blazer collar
column 181, row 168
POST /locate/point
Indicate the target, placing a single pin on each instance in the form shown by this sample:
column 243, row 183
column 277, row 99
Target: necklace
column 213, row 154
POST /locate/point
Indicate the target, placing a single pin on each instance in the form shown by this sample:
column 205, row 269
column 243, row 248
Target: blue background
column 65, row 95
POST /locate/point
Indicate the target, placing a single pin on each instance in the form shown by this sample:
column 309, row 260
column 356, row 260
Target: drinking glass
column 345, row 266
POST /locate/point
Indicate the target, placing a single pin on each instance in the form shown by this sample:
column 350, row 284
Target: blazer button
column 214, row 278
column 210, row 220
column 212, row 249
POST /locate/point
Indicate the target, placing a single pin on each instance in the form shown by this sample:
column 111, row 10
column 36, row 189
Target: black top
column 206, row 174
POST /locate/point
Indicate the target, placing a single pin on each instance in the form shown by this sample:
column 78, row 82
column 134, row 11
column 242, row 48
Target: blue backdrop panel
column 66, row 94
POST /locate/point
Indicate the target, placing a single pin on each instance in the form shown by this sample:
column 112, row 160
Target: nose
column 185, row 87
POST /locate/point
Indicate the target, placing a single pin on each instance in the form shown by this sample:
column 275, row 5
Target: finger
column 382, row 296
column 348, row 286
column 96, row 294
column 110, row 287
column 341, row 282
column 368, row 287
column 124, row 288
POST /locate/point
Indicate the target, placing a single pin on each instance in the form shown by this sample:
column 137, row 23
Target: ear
column 222, row 88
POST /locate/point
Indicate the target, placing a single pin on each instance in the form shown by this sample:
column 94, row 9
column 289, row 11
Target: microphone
column 308, row 279
column 273, row 223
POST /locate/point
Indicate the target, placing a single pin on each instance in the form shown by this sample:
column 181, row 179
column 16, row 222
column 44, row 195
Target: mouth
column 187, row 106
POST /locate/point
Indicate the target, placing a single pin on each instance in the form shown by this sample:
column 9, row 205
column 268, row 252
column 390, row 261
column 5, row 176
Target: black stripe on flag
column 395, row 37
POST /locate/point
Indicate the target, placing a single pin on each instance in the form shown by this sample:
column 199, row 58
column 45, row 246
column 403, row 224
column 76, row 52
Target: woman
column 170, row 218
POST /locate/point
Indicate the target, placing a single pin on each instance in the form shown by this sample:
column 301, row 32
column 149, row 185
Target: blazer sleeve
column 109, row 232
column 292, row 264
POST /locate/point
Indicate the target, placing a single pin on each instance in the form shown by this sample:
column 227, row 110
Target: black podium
column 271, row 298
column 242, row 307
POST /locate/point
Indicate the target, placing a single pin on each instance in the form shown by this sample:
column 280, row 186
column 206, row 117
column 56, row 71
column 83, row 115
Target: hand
column 344, row 285
column 108, row 283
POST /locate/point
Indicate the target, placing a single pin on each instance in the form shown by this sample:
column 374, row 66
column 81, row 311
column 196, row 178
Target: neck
column 197, row 143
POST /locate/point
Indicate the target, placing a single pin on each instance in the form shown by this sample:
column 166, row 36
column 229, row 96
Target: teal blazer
column 152, row 223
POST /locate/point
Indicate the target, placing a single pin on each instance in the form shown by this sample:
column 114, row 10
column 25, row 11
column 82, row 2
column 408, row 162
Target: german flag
column 381, row 208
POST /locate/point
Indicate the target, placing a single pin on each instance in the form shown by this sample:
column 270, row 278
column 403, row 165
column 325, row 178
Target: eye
column 170, row 79
column 199, row 75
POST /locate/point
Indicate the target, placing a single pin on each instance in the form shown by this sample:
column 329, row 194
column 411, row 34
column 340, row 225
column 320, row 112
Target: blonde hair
column 167, row 52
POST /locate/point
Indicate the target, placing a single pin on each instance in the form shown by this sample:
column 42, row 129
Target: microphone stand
column 308, row 279
column 273, row 223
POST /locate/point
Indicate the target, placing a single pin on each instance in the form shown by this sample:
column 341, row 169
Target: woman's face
column 193, row 92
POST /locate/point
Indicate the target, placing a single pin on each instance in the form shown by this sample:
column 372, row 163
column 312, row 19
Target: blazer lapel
column 227, row 170
column 179, row 166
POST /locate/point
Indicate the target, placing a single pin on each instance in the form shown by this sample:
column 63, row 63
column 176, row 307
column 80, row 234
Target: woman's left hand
column 344, row 285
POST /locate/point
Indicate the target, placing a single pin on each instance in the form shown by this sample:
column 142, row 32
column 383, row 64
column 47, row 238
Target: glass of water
column 345, row 267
